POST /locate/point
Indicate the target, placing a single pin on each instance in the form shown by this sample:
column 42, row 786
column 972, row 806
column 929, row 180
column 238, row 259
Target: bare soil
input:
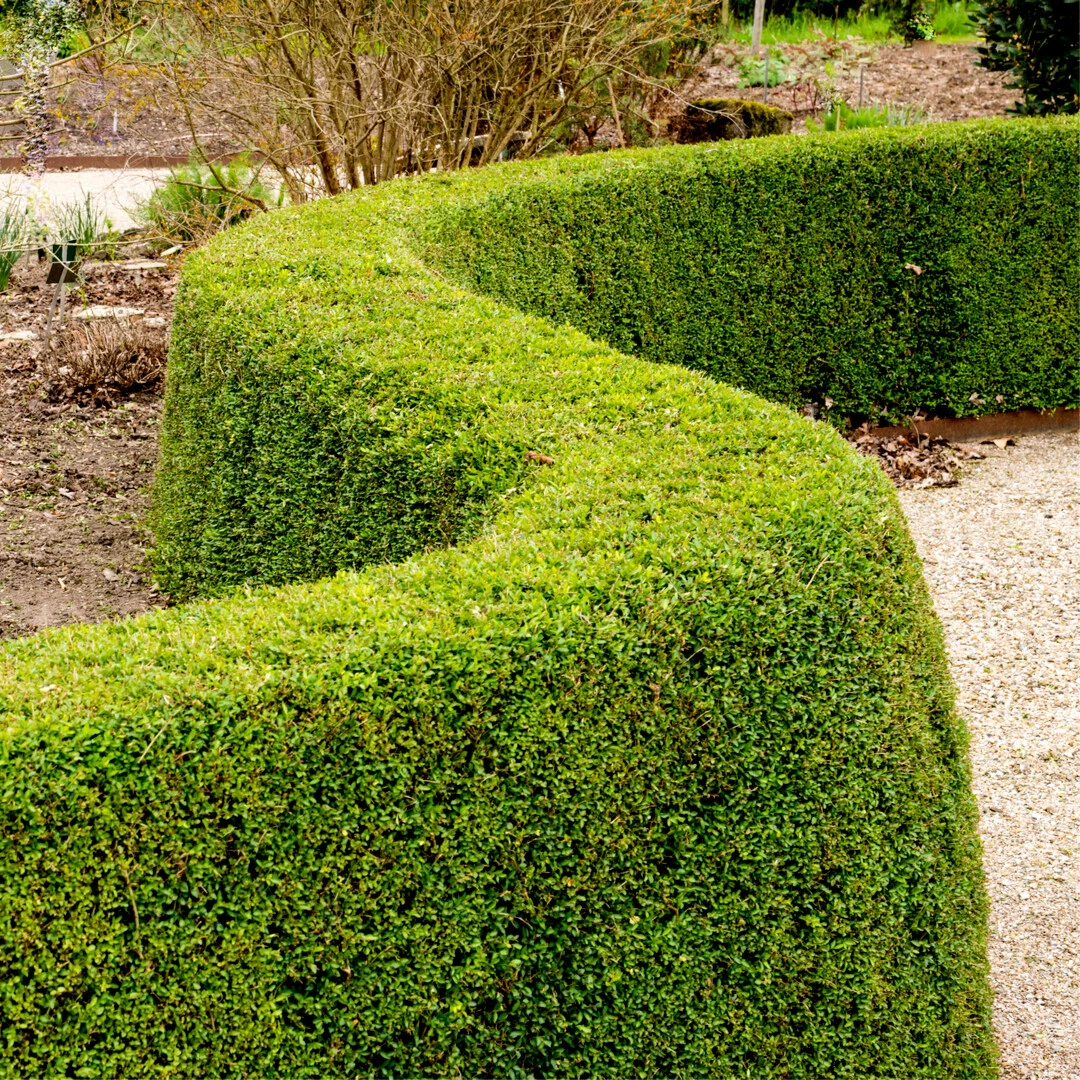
column 942, row 80
column 132, row 101
column 75, row 463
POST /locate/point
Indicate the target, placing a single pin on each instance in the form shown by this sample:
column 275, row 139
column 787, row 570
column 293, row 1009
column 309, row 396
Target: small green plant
column 752, row 70
column 842, row 116
column 197, row 200
column 913, row 22
column 12, row 239
column 87, row 224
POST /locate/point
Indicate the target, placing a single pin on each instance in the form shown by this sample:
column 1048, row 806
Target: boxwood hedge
column 931, row 269
column 625, row 745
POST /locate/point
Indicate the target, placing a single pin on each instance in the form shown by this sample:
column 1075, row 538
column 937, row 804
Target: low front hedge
column 630, row 750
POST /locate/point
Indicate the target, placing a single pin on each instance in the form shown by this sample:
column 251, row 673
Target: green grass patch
column 952, row 24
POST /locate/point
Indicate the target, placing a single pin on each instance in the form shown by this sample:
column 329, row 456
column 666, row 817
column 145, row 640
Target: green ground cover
column 952, row 24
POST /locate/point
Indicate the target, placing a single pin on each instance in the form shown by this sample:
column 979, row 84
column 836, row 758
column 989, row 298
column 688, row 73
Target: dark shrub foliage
column 713, row 119
column 636, row 755
column 1039, row 42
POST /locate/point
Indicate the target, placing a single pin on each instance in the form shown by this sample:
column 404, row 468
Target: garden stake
column 63, row 270
column 765, row 88
column 861, row 71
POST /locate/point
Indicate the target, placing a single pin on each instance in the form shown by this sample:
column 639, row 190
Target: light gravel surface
column 116, row 192
column 1002, row 558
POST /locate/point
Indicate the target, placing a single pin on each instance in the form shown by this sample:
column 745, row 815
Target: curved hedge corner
column 634, row 755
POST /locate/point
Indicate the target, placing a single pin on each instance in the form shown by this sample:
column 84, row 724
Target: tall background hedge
column 626, row 748
column 933, row 269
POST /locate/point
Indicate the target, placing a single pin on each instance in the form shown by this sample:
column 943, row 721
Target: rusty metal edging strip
column 995, row 426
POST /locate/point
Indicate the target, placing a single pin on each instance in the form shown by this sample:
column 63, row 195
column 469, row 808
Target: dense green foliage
column 713, row 119
column 1039, row 42
column 933, row 268
column 636, row 757
column 913, row 22
column 842, row 117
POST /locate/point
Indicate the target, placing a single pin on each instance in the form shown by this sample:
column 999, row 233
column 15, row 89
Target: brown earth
column 75, row 462
column 136, row 102
column 942, row 80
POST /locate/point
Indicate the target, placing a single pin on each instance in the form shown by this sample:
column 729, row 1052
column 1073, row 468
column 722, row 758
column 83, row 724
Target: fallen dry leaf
column 535, row 455
column 68, row 494
column 915, row 462
column 916, row 270
column 110, row 575
column 1000, row 443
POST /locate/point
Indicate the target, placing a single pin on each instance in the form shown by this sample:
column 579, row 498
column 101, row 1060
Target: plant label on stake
column 63, row 270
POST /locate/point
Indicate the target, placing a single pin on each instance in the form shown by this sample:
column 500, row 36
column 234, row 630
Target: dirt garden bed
column 76, row 460
column 941, row 80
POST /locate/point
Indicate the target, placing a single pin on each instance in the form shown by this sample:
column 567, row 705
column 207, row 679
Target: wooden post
column 759, row 22
column 615, row 113
column 724, row 13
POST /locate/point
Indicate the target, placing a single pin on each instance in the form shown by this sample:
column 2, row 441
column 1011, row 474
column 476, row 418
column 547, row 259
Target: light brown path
column 1002, row 558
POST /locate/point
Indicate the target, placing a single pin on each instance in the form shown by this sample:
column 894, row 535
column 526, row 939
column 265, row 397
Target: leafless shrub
column 336, row 94
column 105, row 359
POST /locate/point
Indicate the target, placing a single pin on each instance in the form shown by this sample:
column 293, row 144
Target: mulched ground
column 941, row 79
column 75, row 463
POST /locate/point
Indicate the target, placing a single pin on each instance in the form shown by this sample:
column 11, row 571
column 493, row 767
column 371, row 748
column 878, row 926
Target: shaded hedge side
column 640, row 762
column 931, row 268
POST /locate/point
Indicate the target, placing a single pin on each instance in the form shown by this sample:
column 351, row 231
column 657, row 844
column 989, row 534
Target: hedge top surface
column 346, row 294
column 630, row 750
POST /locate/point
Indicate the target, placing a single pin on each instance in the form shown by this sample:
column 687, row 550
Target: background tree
column 1039, row 42
column 340, row 93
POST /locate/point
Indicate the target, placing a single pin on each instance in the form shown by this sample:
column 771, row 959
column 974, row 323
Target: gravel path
column 116, row 192
column 1002, row 558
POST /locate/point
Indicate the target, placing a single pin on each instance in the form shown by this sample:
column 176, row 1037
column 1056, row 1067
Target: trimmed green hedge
column 786, row 267
column 635, row 756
